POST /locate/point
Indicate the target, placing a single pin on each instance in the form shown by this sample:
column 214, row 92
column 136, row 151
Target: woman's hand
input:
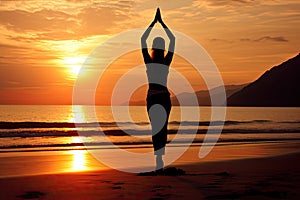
column 158, row 16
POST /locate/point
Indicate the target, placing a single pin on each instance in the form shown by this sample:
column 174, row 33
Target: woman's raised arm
column 169, row 56
column 171, row 37
column 146, row 35
column 147, row 58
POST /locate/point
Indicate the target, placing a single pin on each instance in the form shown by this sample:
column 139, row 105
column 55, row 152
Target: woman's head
column 158, row 49
column 158, row 43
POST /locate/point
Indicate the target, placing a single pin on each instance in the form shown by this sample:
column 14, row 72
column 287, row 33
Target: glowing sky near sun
column 44, row 43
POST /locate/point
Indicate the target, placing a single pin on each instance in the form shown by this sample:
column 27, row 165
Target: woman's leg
column 159, row 138
column 159, row 121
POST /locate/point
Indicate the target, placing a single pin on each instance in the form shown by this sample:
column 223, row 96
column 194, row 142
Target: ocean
column 51, row 127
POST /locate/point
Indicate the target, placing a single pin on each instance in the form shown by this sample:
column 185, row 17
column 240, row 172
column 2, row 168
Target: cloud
column 15, row 54
column 42, row 24
column 217, row 4
column 266, row 38
column 220, row 40
column 95, row 19
column 22, row 74
column 11, row 47
column 78, row 1
column 229, row 2
column 42, row 20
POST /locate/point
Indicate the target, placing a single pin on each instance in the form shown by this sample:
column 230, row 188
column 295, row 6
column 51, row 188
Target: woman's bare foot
column 159, row 162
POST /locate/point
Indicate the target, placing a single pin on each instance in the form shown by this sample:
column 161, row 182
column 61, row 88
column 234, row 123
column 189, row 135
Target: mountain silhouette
column 203, row 96
column 278, row 86
column 186, row 99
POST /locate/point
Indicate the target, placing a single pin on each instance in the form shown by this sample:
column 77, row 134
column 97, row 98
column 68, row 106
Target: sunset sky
column 44, row 43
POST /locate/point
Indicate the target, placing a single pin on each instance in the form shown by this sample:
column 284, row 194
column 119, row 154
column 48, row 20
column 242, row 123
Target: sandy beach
column 229, row 172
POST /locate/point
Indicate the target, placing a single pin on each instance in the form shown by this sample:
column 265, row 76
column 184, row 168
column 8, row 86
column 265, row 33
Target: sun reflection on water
column 77, row 114
column 79, row 160
column 79, row 157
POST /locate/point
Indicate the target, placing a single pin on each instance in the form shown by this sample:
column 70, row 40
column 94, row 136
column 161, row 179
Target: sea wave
column 134, row 144
column 20, row 125
column 131, row 132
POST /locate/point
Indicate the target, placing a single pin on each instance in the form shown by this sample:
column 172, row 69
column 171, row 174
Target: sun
column 73, row 65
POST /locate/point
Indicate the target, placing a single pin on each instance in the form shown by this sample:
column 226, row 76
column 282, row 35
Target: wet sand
column 266, row 171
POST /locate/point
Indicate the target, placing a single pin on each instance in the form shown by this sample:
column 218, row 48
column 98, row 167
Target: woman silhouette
column 158, row 96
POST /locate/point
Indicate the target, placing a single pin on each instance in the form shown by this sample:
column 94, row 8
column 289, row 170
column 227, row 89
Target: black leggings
column 159, row 139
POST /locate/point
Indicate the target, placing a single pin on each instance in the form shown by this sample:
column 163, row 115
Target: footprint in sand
column 31, row 195
column 117, row 185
